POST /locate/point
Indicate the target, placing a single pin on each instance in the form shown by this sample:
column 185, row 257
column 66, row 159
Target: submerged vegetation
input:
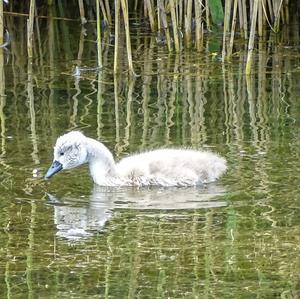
column 177, row 25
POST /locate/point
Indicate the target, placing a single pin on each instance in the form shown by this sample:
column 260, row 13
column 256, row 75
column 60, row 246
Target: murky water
column 65, row 238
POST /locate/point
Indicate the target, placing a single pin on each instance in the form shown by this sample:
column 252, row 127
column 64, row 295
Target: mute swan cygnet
column 161, row 167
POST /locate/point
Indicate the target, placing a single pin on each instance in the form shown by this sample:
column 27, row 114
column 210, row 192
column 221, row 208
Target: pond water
column 65, row 238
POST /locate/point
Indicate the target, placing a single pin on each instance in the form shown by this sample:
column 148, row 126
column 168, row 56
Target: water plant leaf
column 216, row 12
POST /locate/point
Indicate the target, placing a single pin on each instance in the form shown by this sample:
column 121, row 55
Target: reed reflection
column 178, row 100
column 2, row 103
column 146, row 92
column 6, row 176
column 34, row 137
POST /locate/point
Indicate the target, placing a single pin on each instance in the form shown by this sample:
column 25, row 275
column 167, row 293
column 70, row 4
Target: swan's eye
column 61, row 153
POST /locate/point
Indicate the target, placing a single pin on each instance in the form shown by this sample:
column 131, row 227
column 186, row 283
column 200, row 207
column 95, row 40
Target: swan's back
column 180, row 167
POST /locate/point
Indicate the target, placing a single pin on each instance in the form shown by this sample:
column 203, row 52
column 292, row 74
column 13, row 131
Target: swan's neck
column 101, row 164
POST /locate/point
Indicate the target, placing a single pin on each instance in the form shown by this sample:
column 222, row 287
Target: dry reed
column 181, row 23
column 30, row 22
column 99, row 50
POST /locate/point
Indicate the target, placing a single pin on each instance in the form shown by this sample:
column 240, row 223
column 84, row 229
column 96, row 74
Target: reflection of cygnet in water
column 76, row 219
column 162, row 198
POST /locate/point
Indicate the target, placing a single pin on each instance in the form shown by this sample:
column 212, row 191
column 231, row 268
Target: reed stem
column 208, row 25
column 251, row 38
column 150, row 14
column 117, row 29
column 188, row 24
column 228, row 5
column 163, row 19
column 108, row 14
column 260, row 18
column 277, row 10
column 103, row 11
column 30, row 22
column 198, row 20
column 82, row 13
column 245, row 19
column 175, row 28
column 1, row 23
column 99, row 48
column 124, row 5
column 233, row 24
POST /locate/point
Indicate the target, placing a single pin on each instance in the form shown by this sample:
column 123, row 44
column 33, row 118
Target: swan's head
column 69, row 152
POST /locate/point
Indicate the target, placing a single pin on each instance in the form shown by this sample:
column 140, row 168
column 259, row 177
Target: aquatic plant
column 178, row 24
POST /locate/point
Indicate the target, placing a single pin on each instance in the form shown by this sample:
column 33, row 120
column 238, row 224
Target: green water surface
column 65, row 238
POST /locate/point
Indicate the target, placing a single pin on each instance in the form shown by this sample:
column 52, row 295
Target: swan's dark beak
column 54, row 168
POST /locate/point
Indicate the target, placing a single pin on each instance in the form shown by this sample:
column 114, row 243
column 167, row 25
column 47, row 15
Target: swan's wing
column 172, row 167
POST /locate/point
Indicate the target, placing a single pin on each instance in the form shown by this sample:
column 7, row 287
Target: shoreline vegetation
column 240, row 25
